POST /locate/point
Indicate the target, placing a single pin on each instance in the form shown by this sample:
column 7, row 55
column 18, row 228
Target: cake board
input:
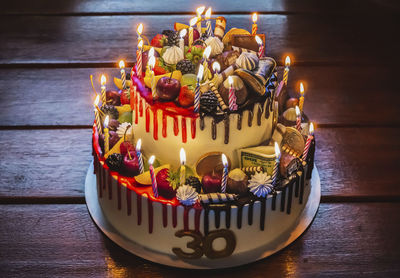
column 287, row 237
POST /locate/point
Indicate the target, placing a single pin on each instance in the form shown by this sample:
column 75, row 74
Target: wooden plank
column 334, row 95
column 61, row 240
column 318, row 38
column 157, row 6
column 359, row 162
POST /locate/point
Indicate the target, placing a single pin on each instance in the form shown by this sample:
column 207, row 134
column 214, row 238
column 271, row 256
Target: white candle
column 224, row 173
column 123, row 75
column 199, row 11
column 260, row 47
column 103, row 81
column 139, row 155
column 151, row 63
column 286, row 72
column 106, row 136
column 182, row 171
column 208, row 23
column 153, row 176
column 182, row 35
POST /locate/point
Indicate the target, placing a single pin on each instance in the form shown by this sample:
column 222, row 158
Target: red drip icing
column 109, row 182
column 141, row 108
column 155, row 125
column 184, row 131
column 136, row 109
column 119, row 193
column 129, row 201
column 164, row 215
column 139, row 209
column 99, row 177
column 147, row 119
column 164, row 125
column 197, row 214
column 186, row 218
column 150, row 212
column 193, row 127
column 174, row 216
column 176, row 126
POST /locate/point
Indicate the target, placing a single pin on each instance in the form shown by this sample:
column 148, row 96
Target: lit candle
column 199, row 11
column 310, row 137
column 139, row 67
column 298, row 118
column 260, row 47
column 139, row 155
column 106, row 136
column 197, row 90
column 224, row 173
column 103, row 81
column 97, row 113
column 254, row 26
column 206, row 55
column 286, row 72
column 192, row 22
column 139, row 31
column 123, row 75
column 216, row 67
column 151, row 63
column 232, row 97
column 301, row 99
column 276, row 166
column 208, row 23
column 183, row 167
column 153, row 176
column 182, row 35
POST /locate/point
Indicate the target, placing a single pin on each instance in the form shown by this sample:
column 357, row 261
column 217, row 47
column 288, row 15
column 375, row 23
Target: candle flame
column 96, row 101
column 259, row 40
column 208, row 13
column 140, row 29
column 207, row 52
column 311, row 130
column 152, row 62
column 200, row 73
column 151, row 159
column 224, row 160
column 106, row 121
column 151, row 52
column 182, row 33
column 193, row 21
column 230, row 80
column 182, row 156
column 140, row 44
column 216, row 67
column 138, row 145
column 121, row 64
column 287, row 61
column 277, row 150
column 301, row 88
column 297, row 111
column 103, row 80
column 200, row 10
column 255, row 18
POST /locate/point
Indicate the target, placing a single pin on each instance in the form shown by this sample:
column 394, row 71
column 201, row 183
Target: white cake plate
column 287, row 237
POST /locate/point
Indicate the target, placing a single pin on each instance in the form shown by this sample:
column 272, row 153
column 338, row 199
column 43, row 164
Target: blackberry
column 185, row 66
column 194, row 182
column 110, row 110
column 173, row 39
column 208, row 102
column 114, row 161
column 167, row 32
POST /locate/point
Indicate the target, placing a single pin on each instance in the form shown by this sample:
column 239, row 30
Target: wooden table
column 345, row 50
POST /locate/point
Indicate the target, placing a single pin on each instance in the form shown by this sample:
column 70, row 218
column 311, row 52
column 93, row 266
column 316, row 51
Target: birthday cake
column 201, row 155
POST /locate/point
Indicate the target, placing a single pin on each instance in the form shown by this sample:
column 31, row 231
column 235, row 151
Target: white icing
column 260, row 184
column 247, row 60
column 122, row 128
column 173, row 55
column 216, row 44
column 186, row 195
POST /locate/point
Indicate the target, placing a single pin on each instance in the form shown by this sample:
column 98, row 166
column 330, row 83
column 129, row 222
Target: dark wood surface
column 345, row 51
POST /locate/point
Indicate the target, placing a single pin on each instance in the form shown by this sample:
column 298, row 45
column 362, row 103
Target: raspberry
column 114, row 161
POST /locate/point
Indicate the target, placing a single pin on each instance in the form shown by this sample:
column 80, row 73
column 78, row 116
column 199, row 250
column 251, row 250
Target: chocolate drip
column 109, row 183
column 217, row 213
column 297, row 185
column 283, row 199
column 289, row 203
column 239, row 216
column 302, row 187
column 206, row 220
column 259, row 114
column 228, row 216
column 310, row 160
column 213, row 130
column 267, row 108
column 250, row 120
column 239, row 122
column 226, row 124
column 273, row 205
column 129, row 201
column 201, row 123
column 250, row 214
column 262, row 213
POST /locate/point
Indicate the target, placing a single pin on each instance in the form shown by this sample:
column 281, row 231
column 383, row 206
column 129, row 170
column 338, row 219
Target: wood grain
column 334, row 95
column 181, row 6
column 358, row 162
column 311, row 39
column 61, row 240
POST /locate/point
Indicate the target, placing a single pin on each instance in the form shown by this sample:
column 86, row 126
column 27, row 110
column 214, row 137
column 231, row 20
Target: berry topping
column 114, row 161
column 194, row 182
column 110, row 110
column 112, row 98
column 125, row 97
column 173, row 39
column 185, row 66
column 167, row 32
column 208, row 102
column 165, row 184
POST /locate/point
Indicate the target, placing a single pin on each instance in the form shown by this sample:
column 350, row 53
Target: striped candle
column 97, row 115
column 298, row 119
column 224, row 174
column 106, row 136
column 260, row 47
column 139, row 67
column 301, row 99
column 276, row 166
column 254, row 26
column 151, row 63
column 153, row 176
column 208, row 23
column 310, row 137
column 232, row 97
column 199, row 12
column 286, row 71
column 139, row 155
column 197, row 90
column 182, row 170
column 123, row 75
column 103, row 81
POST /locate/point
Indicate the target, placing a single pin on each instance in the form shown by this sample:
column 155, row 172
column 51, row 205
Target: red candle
column 298, row 119
column 139, row 67
column 153, row 176
column 310, row 137
column 260, row 47
column 232, row 96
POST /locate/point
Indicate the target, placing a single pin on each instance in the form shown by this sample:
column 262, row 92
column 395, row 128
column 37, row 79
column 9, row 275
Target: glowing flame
column 193, row 21
column 287, row 61
column 138, row 145
column 200, row 73
column 200, row 10
column 259, row 40
column 311, row 130
column 182, row 33
column 207, row 52
column 301, row 88
column 151, row 159
column 254, row 18
column 183, row 156
column 230, row 80
column 216, row 67
column 121, row 64
column 224, row 160
column 208, row 13
column 277, row 150
column 103, row 80
column 151, row 52
column 297, row 111
column 140, row 44
column 139, row 29
column 106, row 121
column 96, row 101
column 152, row 62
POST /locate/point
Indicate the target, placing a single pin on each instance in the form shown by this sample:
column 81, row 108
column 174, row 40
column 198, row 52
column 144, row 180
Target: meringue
column 187, row 195
column 260, row 184
column 247, row 60
column 173, row 55
column 216, row 46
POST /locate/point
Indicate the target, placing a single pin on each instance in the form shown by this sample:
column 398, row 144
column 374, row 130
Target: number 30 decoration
column 202, row 245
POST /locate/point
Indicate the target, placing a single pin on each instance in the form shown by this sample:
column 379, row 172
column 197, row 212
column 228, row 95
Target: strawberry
column 125, row 97
column 186, row 96
column 159, row 67
column 158, row 40
column 165, row 184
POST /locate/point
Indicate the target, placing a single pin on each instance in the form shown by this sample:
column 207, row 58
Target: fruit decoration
column 196, row 35
column 186, row 66
column 216, row 46
column 186, row 96
column 187, row 195
column 260, row 184
column 125, row 117
column 237, row 182
column 173, row 39
column 168, row 88
column 211, row 183
column 194, row 53
column 144, row 179
column 247, row 60
column 159, row 40
column 160, row 67
column 208, row 103
column 175, row 74
column 114, row 161
column 130, row 164
column 125, row 97
column 194, row 182
column 110, row 110
column 113, row 98
column 167, row 32
column 113, row 125
column 145, row 58
column 167, row 182
column 173, row 55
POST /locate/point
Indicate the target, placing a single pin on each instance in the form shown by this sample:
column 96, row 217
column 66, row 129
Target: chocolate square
column 247, row 41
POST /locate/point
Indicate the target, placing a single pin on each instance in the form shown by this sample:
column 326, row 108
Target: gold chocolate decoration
column 209, row 163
